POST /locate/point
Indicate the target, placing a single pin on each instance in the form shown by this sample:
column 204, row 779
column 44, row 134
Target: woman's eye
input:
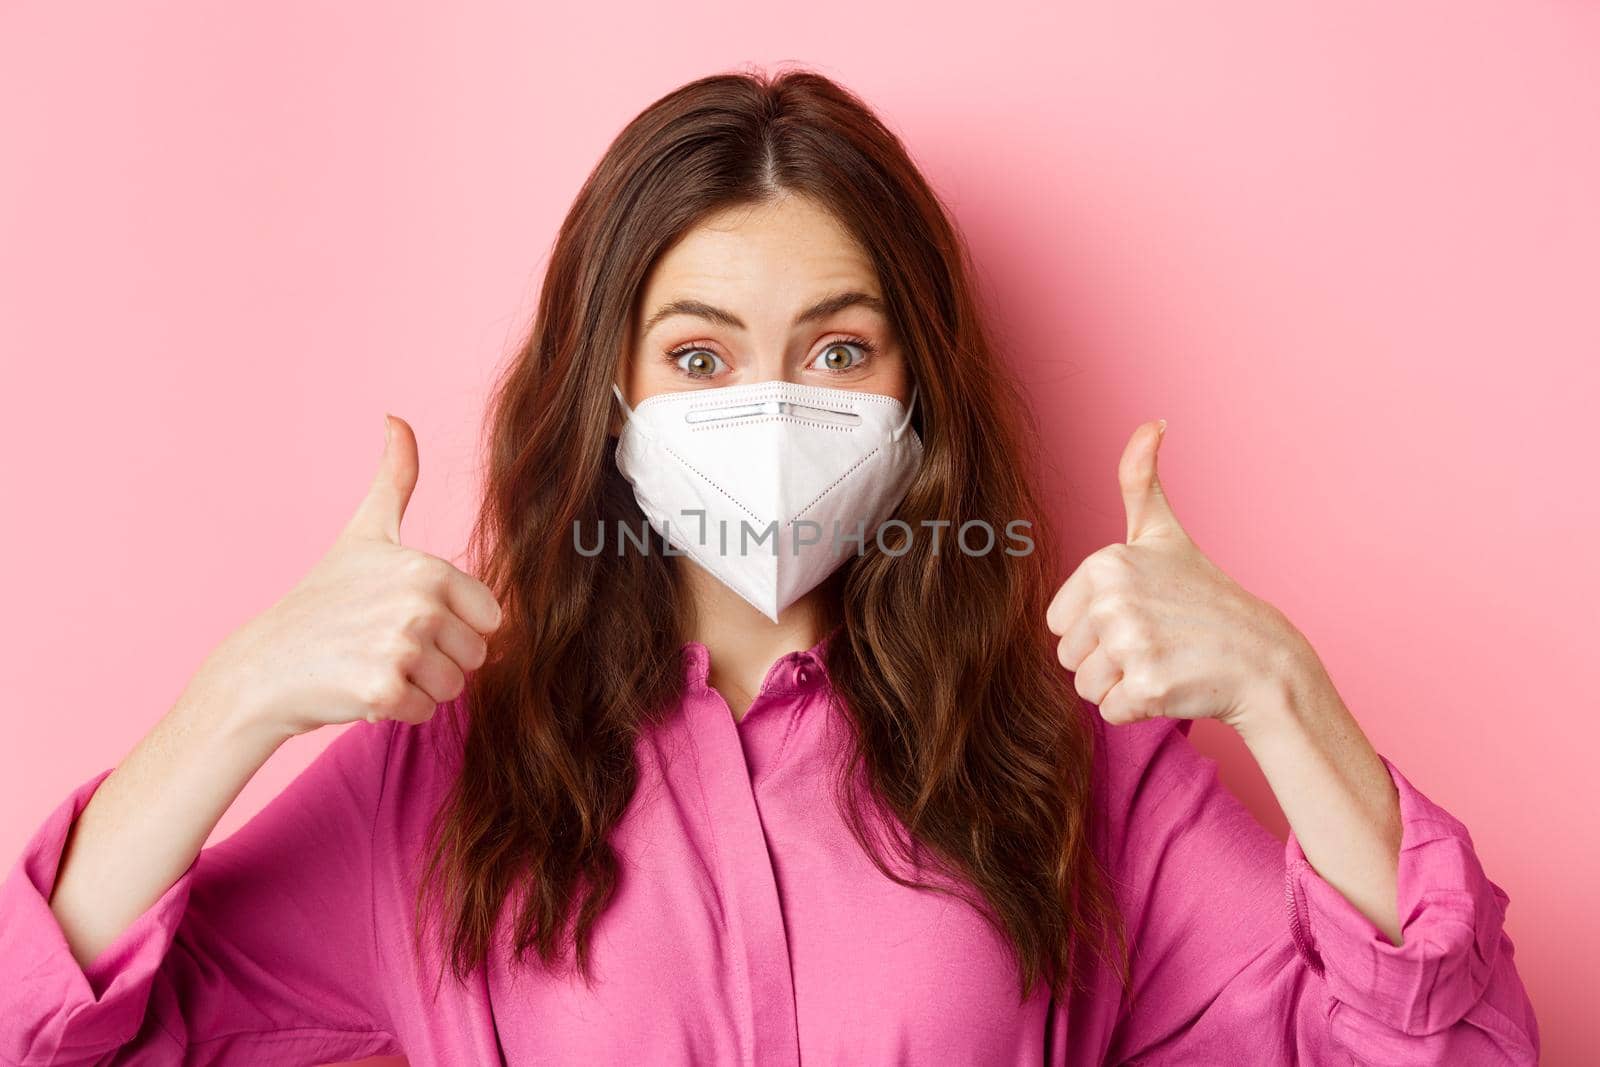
column 697, row 362
column 841, row 356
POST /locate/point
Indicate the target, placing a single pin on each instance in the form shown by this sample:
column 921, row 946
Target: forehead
column 792, row 246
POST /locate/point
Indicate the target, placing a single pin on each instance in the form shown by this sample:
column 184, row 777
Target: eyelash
column 867, row 350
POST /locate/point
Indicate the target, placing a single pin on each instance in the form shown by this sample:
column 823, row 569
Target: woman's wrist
column 1288, row 688
column 1329, row 781
column 233, row 713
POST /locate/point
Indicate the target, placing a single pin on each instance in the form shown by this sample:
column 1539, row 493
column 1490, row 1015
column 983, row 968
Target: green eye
column 842, row 356
column 696, row 362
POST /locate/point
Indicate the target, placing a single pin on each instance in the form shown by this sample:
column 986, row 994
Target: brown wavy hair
column 965, row 727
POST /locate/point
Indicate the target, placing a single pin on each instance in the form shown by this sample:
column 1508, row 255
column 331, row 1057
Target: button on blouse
column 750, row 928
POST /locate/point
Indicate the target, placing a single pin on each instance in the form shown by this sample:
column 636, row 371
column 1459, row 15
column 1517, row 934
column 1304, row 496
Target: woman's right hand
column 374, row 631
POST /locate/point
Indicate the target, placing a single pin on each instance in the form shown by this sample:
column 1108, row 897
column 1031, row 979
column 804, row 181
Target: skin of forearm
column 149, row 818
column 1333, row 788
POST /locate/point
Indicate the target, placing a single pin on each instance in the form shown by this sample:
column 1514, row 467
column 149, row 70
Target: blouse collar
column 791, row 671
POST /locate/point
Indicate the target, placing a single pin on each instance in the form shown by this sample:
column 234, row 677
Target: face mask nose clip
column 730, row 412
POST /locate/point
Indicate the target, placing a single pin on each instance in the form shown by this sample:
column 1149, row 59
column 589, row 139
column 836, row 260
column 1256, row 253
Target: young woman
column 876, row 788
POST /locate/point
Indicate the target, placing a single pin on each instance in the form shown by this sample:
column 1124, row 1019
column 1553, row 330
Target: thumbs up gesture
column 375, row 630
column 1151, row 627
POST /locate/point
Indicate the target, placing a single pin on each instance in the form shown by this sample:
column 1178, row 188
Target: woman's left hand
column 1153, row 628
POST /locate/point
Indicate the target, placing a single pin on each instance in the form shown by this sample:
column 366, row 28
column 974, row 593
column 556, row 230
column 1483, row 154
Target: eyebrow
column 821, row 309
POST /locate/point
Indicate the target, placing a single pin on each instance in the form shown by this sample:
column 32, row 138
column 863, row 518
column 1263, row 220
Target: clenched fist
column 1154, row 628
column 375, row 630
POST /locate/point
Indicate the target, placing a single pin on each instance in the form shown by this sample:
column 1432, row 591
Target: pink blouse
column 749, row 927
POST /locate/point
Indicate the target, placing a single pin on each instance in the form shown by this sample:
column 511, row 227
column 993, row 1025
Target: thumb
column 380, row 512
column 1142, row 496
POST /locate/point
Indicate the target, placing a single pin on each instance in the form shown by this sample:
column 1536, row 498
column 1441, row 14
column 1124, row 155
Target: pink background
column 1350, row 252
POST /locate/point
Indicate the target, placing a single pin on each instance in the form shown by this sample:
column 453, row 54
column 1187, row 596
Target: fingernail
column 1161, row 428
column 388, row 430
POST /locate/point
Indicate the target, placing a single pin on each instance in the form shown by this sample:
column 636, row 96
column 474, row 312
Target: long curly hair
column 964, row 726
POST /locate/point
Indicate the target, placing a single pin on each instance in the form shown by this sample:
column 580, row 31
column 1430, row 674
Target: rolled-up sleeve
column 261, row 951
column 1241, row 953
column 1454, row 965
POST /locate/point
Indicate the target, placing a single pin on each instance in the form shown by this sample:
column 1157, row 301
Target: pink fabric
column 750, row 928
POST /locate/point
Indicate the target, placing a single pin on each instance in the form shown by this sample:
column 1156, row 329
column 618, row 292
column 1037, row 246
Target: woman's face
column 776, row 291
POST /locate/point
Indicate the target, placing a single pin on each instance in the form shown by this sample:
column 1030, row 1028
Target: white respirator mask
column 770, row 486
